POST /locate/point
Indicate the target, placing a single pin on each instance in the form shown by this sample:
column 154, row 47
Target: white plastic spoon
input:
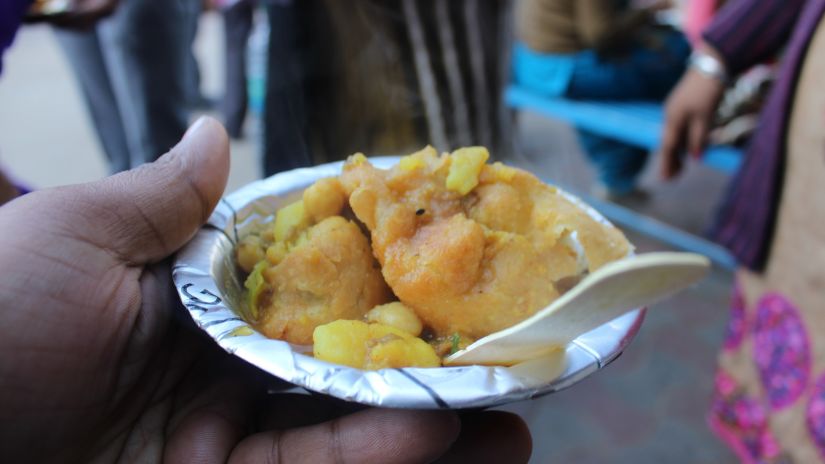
column 602, row 296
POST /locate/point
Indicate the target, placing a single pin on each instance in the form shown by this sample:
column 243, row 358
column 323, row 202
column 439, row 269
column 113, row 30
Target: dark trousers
column 237, row 23
column 286, row 143
column 84, row 50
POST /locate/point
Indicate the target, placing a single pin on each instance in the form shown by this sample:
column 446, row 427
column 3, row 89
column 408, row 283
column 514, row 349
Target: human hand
column 97, row 364
column 689, row 113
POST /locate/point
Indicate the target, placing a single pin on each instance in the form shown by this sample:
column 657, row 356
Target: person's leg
column 618, row 164
column 647, row 73
column 237, row 22
column 145, row 49
column 124, row 82
column 285, row 119
column 85, row 56
column 195, row 98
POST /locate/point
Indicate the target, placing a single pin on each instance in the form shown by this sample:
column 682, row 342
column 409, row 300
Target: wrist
column 710, row 65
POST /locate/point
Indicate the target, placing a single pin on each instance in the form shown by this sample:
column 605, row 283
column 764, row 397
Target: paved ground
column 648, row 406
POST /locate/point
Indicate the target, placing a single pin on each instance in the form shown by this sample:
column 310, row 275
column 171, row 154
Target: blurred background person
column 135, row 69
column 384, row 78
column 84, row 50
column 599, row 49
column 291, row 54
column 770, row 386
column 83, row 13
column 238, row 16
column 195, row 98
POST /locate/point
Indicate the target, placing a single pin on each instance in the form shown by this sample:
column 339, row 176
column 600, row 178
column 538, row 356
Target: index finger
column 672, row 141
column 370, row 436
column 697, row 137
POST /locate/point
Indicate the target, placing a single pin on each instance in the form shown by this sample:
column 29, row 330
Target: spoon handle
column 611, row 291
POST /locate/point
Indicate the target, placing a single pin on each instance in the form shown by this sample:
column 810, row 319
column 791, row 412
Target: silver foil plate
column 210, row 286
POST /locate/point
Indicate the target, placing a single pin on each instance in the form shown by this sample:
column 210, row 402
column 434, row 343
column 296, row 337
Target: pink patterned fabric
column 815, row 415
column 741, row 422
column 781, row 350
column 781, row 353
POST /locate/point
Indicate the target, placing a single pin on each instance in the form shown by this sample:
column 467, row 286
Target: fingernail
column 184, row 141
column 195, row 127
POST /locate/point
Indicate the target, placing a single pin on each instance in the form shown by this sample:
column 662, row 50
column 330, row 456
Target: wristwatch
column 709, row 65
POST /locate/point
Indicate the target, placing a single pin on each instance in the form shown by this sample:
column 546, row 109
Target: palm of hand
column 91, row 356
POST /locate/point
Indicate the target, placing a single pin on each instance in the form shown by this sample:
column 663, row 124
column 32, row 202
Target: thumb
column 146, row 214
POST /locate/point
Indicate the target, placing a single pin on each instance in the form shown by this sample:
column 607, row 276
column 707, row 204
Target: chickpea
column 397, row 315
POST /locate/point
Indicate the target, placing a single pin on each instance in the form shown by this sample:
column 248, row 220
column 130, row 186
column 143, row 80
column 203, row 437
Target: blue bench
column 635, row 123
column 638, row 124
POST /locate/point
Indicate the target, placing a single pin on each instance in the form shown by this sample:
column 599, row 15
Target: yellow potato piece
column 371, row 346
column 289, row 220
column 341, row 342
column 417, row 160
column 465, row 168
column 400, row 352
column 391, row 347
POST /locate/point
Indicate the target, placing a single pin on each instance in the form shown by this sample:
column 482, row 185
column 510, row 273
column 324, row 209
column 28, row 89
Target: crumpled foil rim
column 210, row 285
